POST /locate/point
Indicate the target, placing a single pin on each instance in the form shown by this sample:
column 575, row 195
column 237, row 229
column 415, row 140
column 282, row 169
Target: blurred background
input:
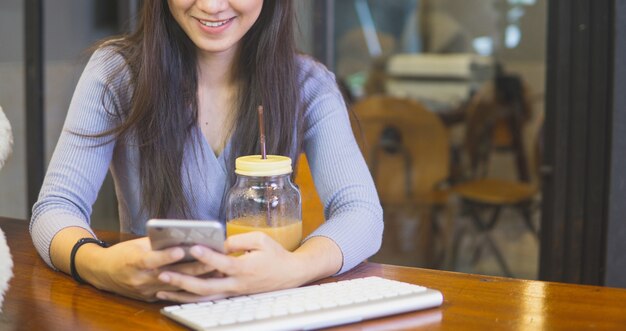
column 442, row 55
column 447, row 99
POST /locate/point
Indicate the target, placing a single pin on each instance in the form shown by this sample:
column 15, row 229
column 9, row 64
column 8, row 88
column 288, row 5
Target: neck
column 215, row 69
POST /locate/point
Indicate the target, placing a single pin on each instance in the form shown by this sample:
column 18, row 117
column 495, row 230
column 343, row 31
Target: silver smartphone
column 164, row 233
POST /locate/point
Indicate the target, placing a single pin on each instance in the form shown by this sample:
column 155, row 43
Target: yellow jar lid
column 254, row 165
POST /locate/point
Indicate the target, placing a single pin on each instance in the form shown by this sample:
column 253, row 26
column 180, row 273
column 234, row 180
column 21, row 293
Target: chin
column 215, row 49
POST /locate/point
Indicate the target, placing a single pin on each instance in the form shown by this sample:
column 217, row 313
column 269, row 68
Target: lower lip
column 216, row 29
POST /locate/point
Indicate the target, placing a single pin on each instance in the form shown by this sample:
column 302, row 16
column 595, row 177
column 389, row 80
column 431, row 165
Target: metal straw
column 262, row 133
column 268, row 218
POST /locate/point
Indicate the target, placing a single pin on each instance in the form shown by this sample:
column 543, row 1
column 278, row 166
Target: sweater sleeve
column 80, row 162
column 354, row 216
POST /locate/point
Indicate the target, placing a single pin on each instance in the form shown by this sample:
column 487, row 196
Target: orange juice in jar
column 288, row 235
column 264, row 199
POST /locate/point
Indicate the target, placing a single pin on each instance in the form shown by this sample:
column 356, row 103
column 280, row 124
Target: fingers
column 198, row 286
column 221, row 262
column 192, row 268
column 202, row 286
column 186, row 297
column 143, row 286
column 156, row 259
column 249, row 241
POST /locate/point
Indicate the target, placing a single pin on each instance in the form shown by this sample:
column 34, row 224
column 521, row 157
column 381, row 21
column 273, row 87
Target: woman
column 168, row 109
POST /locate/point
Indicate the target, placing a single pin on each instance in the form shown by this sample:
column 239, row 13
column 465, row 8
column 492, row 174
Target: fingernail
column 177, row 253
column 164, row 278
column 197, row 251
column 161, row 296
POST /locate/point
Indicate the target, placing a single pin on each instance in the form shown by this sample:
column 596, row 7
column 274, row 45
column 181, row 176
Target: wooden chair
column 312, row 207
column 481, row 194
column 407, row 150
column 495, row 118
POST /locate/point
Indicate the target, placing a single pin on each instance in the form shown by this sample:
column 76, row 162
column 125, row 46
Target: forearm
column 61, row 249
column 319, row 257
column 126, row 268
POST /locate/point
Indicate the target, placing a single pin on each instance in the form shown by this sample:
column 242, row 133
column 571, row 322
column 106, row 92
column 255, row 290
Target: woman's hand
column 264, row 266
column 130, row 268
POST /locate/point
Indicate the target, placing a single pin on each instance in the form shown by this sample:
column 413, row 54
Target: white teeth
column 214, row 24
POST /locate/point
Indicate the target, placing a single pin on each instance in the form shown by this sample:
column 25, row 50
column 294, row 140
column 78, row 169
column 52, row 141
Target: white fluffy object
column 6, row 138
column 6, row 264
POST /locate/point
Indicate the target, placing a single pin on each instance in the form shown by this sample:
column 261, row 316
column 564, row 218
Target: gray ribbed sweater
column 79, row 165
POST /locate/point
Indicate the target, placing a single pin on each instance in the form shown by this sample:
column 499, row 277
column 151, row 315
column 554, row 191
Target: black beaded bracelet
column 77, row 245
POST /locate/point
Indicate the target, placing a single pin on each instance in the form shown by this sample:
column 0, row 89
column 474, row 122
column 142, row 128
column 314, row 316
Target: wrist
column 89, row 264
column 318, row 257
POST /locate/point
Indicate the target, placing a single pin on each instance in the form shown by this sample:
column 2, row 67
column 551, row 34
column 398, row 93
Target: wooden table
column 42, row 299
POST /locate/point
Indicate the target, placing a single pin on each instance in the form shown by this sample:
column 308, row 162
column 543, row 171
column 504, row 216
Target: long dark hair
column 164, row 108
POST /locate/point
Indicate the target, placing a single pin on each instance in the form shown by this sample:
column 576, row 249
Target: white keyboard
column 309, row 307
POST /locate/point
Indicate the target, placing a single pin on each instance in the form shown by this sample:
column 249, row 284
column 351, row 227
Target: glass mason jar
column 263, row 198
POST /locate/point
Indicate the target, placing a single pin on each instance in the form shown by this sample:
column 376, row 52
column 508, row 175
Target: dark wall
column 616, row 241
column 70, row 26
column 579, row 145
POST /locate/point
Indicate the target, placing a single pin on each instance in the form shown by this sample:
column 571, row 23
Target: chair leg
column 442, row 233
column 426, row 232
column 527, row 217
column 448, row 229
column 478, row 252
column 499, row 257
column 456, row 246
column 485, row 229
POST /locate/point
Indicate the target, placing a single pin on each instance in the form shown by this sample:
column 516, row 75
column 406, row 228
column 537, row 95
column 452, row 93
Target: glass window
column 71, row 28
column 12, row 100
column 478, row 65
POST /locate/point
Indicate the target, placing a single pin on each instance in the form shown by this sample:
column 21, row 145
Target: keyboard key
column 171, row 308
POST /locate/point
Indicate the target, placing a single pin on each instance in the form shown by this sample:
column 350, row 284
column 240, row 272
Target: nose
column 212, row 6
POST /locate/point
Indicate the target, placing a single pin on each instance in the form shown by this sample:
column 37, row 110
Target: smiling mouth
column 215, row 24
